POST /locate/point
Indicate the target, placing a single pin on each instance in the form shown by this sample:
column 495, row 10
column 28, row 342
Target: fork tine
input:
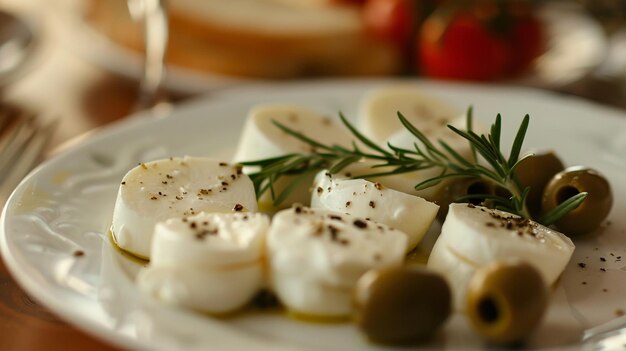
column 34, row 149
column 26, row 156
column 7, row 115
column 10, row 145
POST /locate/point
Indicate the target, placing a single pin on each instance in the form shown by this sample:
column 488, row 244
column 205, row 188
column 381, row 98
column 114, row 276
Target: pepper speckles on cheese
column 261, row 138
column 156, row 191
column 408, row 213
column 210, row 262
column 474, row 236
column 316, row 256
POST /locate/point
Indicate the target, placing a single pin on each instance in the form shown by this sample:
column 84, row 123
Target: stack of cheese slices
column 210, row 249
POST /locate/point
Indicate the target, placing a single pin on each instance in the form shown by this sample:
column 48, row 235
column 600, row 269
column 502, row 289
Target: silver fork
column 23, row 139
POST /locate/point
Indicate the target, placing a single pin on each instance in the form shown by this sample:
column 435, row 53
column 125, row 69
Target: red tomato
column 528, row 38
column 390, row 20
column 462, row 48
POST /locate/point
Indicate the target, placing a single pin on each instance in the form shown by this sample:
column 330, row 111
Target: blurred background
column 76, row 65
column 85, row 58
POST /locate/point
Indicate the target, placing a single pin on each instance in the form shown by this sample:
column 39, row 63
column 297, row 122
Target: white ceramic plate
column 65, row 205
column 576, row 45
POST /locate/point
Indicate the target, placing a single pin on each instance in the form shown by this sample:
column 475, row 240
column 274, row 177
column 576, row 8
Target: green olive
column 459, row 187
column 402, row 304
column 590, row 214
column 535, row 172
column 505, row 301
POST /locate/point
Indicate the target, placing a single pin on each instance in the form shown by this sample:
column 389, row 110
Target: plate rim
column 29, row 284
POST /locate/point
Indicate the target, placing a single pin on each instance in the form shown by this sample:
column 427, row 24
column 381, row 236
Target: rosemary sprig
column 425, row 155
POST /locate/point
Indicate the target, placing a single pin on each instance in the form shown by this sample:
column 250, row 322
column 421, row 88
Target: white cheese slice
column 155, row 191
column 262, row 139
column 316, row 256
column 217, row 292
column 378, row 111
column 456, row 269
column 358, row 197
column 474, row 236
column 208, row 262
column 403, row 182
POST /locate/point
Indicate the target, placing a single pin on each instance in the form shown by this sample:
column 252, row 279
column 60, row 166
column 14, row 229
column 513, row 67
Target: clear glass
column 154, row 17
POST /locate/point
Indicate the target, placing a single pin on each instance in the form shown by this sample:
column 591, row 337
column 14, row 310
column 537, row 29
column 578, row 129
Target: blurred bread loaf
column 259, row 38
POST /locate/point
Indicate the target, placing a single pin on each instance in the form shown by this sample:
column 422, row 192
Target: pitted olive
column 459, row 187
column 506, row 301
column 536, row 171
column 594, row 209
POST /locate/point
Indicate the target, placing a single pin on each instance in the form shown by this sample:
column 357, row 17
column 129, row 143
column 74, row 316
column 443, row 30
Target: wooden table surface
column 62, row 84
column 59, row 84
column 26, row 325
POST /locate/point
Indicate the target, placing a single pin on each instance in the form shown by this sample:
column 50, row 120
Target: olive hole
column 488, row 310
column 565, row 193
column 500, row 191
column 478, row 188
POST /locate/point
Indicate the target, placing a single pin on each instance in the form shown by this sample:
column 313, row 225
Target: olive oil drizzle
column 127, row 254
